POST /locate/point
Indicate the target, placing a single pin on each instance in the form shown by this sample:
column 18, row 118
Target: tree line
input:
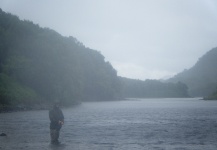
column 153, row 89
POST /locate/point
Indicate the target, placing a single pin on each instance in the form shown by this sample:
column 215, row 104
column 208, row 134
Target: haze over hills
column 201, row 79
column 39, row 66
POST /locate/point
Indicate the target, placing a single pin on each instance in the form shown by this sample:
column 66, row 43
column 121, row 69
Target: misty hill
column 202, row 77
column 38, row 65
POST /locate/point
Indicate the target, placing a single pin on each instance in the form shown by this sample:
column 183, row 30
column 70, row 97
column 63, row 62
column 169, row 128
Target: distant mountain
column 201, row 79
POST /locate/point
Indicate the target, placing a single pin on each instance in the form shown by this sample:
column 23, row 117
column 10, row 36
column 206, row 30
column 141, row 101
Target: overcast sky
column 142, row 39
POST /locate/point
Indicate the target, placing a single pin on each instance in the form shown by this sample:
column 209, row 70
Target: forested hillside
column 202, row 77
column 38, row 65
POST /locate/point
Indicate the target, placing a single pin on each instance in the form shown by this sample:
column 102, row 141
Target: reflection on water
column 136, row 124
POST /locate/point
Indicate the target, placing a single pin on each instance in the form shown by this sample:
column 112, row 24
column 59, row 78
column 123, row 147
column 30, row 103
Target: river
column 134, row 124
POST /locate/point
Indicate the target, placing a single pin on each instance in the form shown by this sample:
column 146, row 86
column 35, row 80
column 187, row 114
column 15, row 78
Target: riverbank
column 8, row 108
column 210, row 98
column 20, row 107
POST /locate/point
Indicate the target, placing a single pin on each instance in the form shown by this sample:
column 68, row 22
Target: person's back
column 56, row 122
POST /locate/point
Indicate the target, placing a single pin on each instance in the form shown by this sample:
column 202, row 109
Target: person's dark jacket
column 55, row 116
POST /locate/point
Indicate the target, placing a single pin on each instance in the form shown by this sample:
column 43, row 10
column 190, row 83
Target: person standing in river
column 56, row 122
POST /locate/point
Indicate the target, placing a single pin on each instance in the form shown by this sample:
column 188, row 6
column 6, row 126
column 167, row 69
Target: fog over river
column 134, row 124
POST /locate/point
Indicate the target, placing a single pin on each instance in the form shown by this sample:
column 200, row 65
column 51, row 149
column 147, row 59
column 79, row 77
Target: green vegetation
column 12, row 93
column 39, row 66
column 212, row 96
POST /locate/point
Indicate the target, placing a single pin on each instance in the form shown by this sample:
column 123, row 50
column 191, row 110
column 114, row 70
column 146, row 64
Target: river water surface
column 135, row 124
